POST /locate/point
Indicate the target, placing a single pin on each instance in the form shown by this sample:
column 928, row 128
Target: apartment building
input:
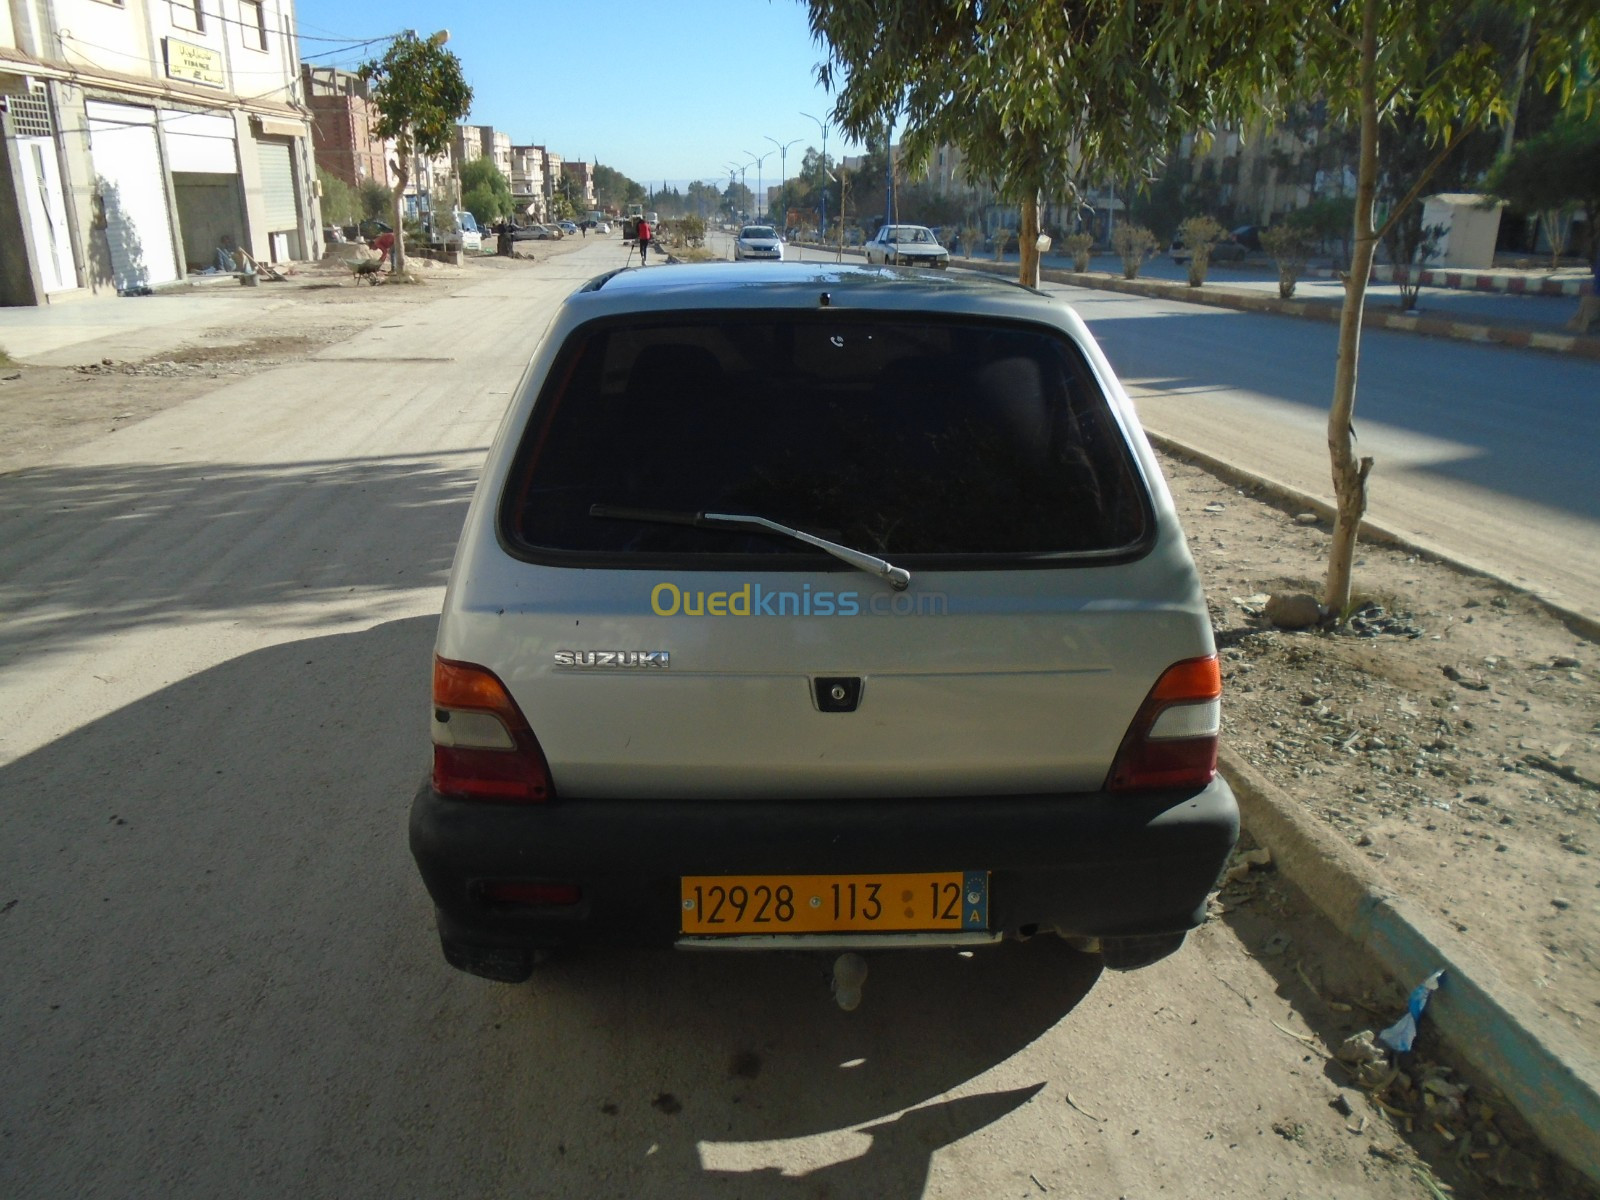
column 341, row 126
column 529, row 187
column 138, row 136
column 484, row 141
column 581, row 175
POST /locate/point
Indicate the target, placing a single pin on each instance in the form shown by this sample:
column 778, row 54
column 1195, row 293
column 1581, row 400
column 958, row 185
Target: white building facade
column 142, row 135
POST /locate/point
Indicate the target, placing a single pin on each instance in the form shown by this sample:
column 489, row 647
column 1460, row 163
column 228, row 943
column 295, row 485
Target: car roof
column 717, row 285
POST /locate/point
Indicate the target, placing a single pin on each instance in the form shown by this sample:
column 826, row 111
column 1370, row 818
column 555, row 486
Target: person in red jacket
column 644, row 239
column 384, row 245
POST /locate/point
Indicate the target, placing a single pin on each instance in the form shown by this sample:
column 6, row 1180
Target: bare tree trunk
column 402, row 175
column 1028, row 242
column 1349, row 473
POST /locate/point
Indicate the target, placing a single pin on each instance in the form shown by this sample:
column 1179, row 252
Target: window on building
column 189, row 14
column 253, row 23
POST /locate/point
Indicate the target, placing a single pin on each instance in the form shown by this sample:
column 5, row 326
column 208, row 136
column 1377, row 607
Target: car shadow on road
column 89, row 550
column 221, row 965
column 738, row 1075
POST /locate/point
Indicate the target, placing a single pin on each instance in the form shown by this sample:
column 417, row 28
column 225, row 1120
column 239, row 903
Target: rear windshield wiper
column 898, row 577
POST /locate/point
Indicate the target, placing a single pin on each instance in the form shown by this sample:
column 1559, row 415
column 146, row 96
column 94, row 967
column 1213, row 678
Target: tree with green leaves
column 1031, row 93
column 339, row 203
column 702, row 199
column 737, row 198
column 1553, row 174
column 1442, row 67
column 375, row 199
column 614, row 191
column 485, row 191
column 419, row 93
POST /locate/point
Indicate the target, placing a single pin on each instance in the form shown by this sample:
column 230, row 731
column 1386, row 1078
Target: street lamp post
column 820, row 125
column 758, row 159
column 744, row 189
column 733, row 211
column 783, row 167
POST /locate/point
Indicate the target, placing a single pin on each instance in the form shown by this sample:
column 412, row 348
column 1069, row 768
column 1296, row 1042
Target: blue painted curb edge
column 1551, row 1079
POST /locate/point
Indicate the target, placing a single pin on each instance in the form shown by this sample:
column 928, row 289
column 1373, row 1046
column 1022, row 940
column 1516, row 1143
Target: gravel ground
column 1451, row 733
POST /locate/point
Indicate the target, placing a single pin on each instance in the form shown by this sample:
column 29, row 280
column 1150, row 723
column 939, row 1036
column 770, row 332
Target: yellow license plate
column 717, row 905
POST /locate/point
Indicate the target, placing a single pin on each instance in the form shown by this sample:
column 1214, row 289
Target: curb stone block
column 1551, row 1080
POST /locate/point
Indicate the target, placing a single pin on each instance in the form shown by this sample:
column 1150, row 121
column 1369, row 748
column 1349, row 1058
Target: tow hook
column 849, row 973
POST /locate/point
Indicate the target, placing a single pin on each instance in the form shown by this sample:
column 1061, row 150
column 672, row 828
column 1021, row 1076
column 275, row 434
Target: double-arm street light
column 783, row 165
column 741, row 168
column 823, row 126
column 758, row 159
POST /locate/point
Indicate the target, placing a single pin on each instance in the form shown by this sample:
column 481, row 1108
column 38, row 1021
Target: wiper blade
column 897, row 577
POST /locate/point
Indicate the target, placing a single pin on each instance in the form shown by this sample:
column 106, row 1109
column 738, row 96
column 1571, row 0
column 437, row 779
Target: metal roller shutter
column 277, row 184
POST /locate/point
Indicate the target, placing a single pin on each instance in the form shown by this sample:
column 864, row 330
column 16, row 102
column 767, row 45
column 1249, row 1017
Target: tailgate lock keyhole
column 837, row 693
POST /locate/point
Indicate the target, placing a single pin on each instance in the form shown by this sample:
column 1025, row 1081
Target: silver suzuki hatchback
column 827, row 608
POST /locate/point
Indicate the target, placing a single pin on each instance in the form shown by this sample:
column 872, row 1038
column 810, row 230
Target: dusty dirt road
column 221, row 976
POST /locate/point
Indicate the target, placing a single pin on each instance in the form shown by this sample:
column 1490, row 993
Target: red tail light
column 1172, row 742
column 483, row 748
column 534, row 895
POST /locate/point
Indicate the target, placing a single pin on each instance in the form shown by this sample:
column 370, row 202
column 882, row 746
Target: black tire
column 1131, row 953
column 499, row 963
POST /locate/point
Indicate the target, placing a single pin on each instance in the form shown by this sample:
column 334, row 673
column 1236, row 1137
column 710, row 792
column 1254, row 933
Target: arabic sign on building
column 196, row 64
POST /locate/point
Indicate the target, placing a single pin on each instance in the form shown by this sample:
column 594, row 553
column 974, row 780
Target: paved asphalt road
column 1483, row 451
column 220, row 973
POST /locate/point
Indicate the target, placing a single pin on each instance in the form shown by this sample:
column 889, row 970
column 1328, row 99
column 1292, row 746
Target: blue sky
column 708, row 83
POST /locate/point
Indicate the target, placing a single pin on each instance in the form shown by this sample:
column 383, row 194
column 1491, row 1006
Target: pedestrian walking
column 644, row 239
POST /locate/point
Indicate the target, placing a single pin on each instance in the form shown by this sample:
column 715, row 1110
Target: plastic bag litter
column 1403, row 1032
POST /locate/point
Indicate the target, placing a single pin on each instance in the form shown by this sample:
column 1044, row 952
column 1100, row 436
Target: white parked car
column 797, row 612
column 758, row 242
column 907, row 246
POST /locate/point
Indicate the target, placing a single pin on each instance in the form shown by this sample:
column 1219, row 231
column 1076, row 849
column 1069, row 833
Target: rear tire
column 499, row 963
column 1131, row 953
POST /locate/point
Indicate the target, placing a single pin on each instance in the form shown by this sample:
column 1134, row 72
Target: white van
column 460, row 228
column 471, row 236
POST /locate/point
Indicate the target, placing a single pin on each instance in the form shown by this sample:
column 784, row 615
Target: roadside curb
column 1543, row 1072
column 1477, row 281
column 1217, row 296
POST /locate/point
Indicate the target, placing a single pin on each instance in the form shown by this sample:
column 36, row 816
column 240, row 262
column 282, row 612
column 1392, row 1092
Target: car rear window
column 917, row 439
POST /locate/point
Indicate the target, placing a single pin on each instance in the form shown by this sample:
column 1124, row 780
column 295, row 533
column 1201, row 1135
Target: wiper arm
column 897, row 577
